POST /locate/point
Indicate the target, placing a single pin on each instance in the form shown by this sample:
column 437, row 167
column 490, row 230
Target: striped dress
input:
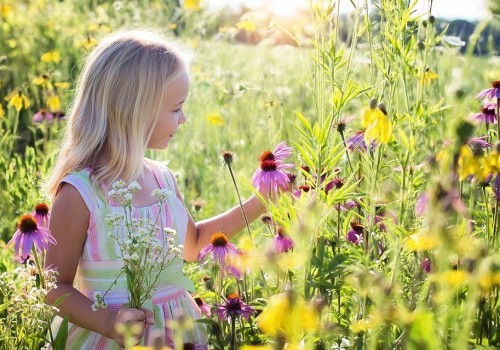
column 100, row 264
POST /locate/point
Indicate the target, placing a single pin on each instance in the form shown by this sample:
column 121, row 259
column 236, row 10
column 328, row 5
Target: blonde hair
column 119, row 95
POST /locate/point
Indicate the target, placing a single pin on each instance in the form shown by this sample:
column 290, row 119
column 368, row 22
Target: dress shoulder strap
column 163, row 175
column 81, row 181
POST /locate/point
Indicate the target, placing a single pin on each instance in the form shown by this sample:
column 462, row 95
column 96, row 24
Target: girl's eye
column 177, row 110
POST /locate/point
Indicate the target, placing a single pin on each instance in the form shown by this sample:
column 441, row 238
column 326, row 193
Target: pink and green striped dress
column 100, row 264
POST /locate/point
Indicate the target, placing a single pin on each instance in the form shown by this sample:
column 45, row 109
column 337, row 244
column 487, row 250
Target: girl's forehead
column 178, row 89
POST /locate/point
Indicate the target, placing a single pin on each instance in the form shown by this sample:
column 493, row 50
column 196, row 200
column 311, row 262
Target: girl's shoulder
column 81, row 180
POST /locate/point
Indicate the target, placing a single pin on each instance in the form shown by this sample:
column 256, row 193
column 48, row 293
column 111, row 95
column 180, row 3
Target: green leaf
column 62, row 336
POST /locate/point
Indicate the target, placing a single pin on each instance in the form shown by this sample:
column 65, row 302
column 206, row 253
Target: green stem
column 239, row 200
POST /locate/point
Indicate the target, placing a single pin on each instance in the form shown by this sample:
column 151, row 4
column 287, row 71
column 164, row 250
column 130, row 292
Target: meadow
column 387, row 237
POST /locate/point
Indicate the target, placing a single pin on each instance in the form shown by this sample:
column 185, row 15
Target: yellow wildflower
column 87, row 44
column 62, row 84
column 364, row 325
column 5, row 10
column 215, row 119
column 247, row 25
column 454, row 278
column 420, row 242
column 428, row 76
column 19, row 100
column 378, row 126
column 492, row 162
column 2, row 113
column 51, row 56
column 467, row 164
column 43, row 81
column 282, row 317
column 53, row 103
column 192, row 5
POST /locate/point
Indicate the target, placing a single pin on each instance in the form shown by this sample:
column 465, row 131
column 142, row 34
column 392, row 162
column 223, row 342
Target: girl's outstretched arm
column 68, row 224
column 230, row 222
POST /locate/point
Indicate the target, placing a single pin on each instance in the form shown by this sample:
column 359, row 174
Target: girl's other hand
column 129, row 323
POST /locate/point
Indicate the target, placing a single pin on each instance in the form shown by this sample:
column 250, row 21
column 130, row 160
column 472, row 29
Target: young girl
column 129, row 98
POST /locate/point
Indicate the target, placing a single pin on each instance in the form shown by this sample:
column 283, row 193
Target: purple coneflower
column 221, row 250
column 29, row 234
column 492, row 92
column 495, row 186
column 302, row 189
column 487, row 115
column 426, row 265
column 282, row 151
column 479, row 142
column 42, row 115
column 337, row 183
column 234, row 307
column 355, row 235
column 282, row 243
column 271, row 176
column 42, row 215
column 357, row 142
column 204, row 307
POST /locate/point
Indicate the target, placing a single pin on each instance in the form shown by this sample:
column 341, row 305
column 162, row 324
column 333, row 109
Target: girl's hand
column 128, row 325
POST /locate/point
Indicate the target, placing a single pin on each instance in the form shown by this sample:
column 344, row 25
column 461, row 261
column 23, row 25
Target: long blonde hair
column 119, row 95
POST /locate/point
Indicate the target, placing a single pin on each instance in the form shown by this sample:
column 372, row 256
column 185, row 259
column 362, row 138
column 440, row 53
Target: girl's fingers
column 149, row 316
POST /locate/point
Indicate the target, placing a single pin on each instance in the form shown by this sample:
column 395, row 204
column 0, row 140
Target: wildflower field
column 386, row 232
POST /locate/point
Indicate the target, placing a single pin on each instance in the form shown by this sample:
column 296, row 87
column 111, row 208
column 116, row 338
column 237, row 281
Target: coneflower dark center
column 496, row 84
column 42, row 209
column 487, row 111
column 267, row 155
column 219, row 239
column 268, row 165
column 356, row 226
column 27, row 224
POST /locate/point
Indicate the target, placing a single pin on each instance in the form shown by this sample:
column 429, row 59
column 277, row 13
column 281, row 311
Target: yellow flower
column 420, row 242
column 467, row 164
column 2, row 113
column 492, row 162
column 370, row 114
column 43, row 81
column 51, row 56
column 53, row 103
column 62, row 84
column 380, row 130
column 5, row 10
column 247, row 25
column 215, row 119
column 455, row 278
column 19, row 100
column 86, row 43
column 363, row 325
column 428, row 76
column 281, row 317
column 192, row 5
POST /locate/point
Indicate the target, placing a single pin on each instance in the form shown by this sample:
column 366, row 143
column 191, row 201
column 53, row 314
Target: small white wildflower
column 170, row 231
column 134, row 186
column 161, row 194
column 117, row 185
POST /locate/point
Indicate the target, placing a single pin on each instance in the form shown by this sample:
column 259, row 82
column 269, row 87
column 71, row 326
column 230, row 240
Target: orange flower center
column 487, row 111
column 27, row 224
column 42, row 209
column 219, row 239
column 268, row 165
column 356, row 226
column 496, row 84
column 267, row 155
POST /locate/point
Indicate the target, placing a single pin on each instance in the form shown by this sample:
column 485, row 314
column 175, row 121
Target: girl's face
column 171, row 113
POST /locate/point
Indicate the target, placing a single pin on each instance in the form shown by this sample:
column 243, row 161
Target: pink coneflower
column 426, row 265
column 421, row 204
column 282, row 243
column 271, row 176
column 487, row 115
column 492, row 92
column 42, row 215
column 42, row 115
column 337, row 183
column 357, row 142
column 355, row 235
column 204, row 307
column 282, row 151
column 221, row 250
column 234, row 307
column 302, row 189
column 479, row 142
column 28, row 234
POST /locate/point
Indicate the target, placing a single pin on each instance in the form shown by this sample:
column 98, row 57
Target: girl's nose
column 182, row 118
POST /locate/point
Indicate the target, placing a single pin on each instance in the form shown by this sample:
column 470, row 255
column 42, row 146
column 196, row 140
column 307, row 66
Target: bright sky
column 450, row 9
